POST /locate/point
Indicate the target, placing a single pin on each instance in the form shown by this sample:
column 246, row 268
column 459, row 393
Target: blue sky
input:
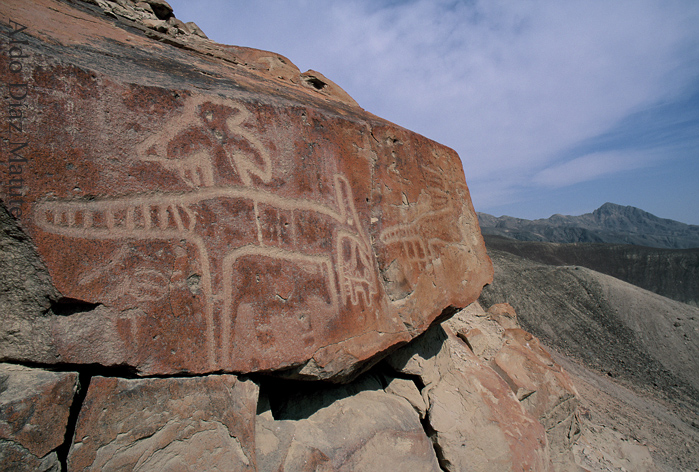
column 553, row 106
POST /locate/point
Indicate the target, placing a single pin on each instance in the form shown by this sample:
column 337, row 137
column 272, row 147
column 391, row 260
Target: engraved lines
column 350, row 273
column 418, row 248
column 114, row 218
column 197, row 170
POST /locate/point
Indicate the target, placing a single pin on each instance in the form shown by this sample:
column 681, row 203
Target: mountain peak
column 610, row 207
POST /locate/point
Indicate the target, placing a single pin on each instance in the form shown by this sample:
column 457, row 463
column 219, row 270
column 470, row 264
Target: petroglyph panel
column 242, row 236
column 239, row 230
column 428, row 226
column 425, row 224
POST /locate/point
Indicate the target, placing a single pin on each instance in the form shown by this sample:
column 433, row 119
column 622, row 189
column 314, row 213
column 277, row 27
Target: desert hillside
column 672, row 273
column 632, row 351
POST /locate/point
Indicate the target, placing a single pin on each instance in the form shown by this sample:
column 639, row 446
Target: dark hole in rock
column 316, row 83
column 69, row 306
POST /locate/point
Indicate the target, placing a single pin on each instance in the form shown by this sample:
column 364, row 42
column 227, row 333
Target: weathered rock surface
column 542, row 387
column 477, row 422
column 576, row 440
column 358, row 427
column 539, row 383
column 205, row 208
column 199, row 423
column 34, row 411
column 26, row 289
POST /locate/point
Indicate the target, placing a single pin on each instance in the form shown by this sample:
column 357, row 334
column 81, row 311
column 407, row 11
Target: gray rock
column 26, row 294
column 34, row 412
column 339, row 430
column 200, row 423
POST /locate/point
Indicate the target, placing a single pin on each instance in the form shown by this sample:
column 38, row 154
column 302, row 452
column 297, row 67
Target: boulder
column 34, row 411
column 542, row 387
column 199, row 423
column 477, row 423
column 359, row 427
column 204, row 208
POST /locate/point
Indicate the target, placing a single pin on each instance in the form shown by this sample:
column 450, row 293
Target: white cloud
column 592, row 166
column 508, row 84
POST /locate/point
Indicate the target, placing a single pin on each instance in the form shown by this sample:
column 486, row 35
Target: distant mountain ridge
column 610, row 223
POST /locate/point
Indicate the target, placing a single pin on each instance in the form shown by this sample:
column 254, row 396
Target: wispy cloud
column 592, row 166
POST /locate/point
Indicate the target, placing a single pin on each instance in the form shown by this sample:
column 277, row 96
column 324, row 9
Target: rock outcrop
column 638, row 350
column 356, row 427
column 203, row 214
column 478, row 423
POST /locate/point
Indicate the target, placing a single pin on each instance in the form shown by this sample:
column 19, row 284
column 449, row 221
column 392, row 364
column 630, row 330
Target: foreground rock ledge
column 202, row 213
column 204, row 423
column 34, row 411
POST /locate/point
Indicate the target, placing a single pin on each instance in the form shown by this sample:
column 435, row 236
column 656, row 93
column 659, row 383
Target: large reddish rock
column 34, row 411
column 205, row 208
column 199, row 423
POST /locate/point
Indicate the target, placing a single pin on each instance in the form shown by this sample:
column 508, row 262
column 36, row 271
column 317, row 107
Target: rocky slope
column 672, row 273
column 610, row 223
column 620, row 333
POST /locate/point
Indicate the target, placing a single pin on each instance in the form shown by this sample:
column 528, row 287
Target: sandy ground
column 669, row 430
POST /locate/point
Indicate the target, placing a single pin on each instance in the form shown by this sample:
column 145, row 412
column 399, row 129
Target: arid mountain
column 672, row 273
column 610, row 223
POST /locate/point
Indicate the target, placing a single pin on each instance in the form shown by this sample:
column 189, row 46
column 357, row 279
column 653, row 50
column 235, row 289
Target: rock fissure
column 63, row 450
column 433, row 437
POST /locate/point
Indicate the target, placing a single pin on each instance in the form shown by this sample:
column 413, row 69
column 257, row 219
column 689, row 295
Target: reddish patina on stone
column 226, row 217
